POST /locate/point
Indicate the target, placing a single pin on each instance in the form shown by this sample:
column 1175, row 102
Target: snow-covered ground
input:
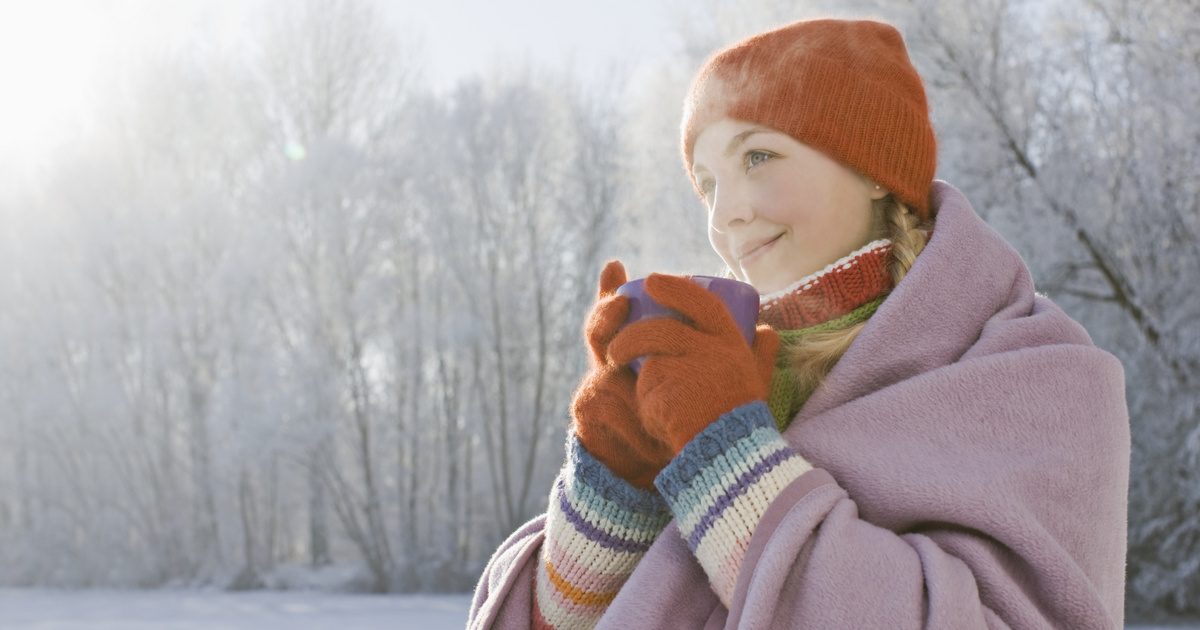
column 195, row 610
column 216, row 610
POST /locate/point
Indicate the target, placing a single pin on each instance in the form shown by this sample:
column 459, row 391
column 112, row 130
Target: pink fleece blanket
column 972, row 467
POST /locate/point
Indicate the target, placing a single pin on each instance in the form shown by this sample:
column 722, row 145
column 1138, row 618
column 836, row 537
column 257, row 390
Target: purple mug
column 739, row 297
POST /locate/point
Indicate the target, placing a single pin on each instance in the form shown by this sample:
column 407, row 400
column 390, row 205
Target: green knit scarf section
column 787, row 397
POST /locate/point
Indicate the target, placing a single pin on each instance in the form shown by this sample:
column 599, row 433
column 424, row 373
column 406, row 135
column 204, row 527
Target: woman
column 916, row 438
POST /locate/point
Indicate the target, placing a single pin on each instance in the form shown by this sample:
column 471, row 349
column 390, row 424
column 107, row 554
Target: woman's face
column 761, row 183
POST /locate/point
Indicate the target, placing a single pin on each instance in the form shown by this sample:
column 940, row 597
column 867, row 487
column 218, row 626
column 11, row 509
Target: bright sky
column 54, row 54
column 465, row 36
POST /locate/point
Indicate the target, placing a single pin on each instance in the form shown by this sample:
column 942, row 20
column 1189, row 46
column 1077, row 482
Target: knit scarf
column 842, row 294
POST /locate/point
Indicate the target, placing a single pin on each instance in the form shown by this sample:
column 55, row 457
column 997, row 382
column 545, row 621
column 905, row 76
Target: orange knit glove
column 693, row 374
column 603, row 410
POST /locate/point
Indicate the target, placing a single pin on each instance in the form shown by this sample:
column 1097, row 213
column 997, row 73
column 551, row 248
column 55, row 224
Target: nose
column 730, row 205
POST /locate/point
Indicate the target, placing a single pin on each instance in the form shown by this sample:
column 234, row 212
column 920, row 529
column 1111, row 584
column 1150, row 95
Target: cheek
column 720, row 244
column 778, row 194
column 716, row 239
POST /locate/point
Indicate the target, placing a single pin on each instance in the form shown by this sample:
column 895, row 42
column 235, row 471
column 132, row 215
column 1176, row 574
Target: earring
column 876, row 186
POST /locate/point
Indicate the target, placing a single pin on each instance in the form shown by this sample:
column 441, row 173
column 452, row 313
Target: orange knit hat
column 845, row 87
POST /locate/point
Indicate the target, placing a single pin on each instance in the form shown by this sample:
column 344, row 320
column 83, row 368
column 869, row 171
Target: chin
column 761, row 284
column 774, row 283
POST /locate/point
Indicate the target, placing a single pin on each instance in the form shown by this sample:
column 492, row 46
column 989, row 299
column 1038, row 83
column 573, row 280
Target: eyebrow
column 734, row 142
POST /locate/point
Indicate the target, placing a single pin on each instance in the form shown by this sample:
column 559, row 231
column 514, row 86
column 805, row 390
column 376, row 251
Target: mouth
column 759, row 251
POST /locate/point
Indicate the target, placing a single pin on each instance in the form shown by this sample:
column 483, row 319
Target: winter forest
column 291, row 313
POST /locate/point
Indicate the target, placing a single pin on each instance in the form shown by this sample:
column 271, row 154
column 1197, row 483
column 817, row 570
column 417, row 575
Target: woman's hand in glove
column 697, row 371
column 603, row 409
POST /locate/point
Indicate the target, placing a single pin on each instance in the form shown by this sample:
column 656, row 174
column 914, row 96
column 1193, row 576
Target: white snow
column 47, row 609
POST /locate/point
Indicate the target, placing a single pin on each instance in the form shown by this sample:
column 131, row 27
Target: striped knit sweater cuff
column 598, row 526
column 721, row 484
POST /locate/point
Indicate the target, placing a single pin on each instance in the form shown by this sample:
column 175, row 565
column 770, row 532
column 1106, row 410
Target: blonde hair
column 814, row 356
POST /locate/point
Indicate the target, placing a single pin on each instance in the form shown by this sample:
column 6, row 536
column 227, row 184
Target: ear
column 875, row 189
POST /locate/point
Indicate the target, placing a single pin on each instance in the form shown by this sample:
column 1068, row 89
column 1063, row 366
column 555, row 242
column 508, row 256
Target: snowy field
column 196, row 610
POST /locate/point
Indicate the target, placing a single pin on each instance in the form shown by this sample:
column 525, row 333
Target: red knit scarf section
column 839, row 288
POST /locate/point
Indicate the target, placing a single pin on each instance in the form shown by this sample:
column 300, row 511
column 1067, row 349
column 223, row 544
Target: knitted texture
column 603, row 408
column 694, row 372
column 598, row 527
column 842, row 294
column 721, row 484
column 786, row 396
column 844, row 87
column 839, row 288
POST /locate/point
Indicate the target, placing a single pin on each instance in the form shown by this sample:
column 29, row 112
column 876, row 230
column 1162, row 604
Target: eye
column 750, row 159
column 750, row 155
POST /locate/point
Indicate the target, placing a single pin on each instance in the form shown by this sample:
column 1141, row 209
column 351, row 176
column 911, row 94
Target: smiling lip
column 754, row 249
